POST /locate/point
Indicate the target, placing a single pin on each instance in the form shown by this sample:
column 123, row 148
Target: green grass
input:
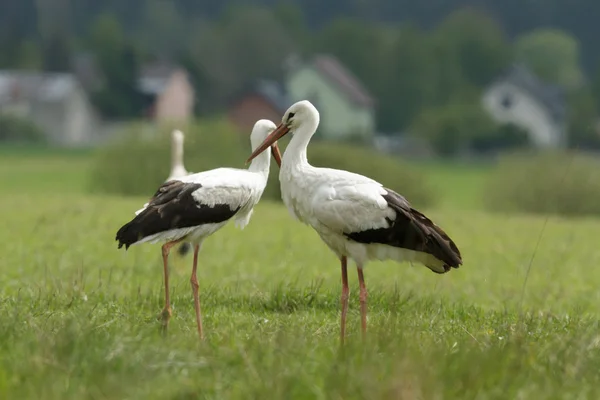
column 79, row 316
column 460, row 185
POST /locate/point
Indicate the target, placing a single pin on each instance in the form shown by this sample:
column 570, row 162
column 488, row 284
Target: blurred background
column 402, row 87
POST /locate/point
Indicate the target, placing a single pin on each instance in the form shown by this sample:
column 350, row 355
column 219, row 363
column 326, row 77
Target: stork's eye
column 291, row 115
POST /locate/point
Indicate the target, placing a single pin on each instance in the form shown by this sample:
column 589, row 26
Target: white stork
column 177, row 171
column 195, row 206
column 177, row 168
column 355, row 216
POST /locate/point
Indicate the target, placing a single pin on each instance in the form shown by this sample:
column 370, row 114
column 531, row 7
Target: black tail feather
column 129, row 234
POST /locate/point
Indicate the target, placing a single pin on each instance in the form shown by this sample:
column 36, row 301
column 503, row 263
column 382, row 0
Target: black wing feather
column 172, row 207
column 413, row 231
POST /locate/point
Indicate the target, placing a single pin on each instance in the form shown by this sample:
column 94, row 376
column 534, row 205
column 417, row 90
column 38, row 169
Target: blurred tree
column 118, row 61
column 162, row 29
column 29, row 56
column 253, row 44
column 448, row 78
column 368, row 51
column 481, row 48
column 291, row 16
column 207, row 50
column 15, row 129
column 56, row 52
column 553, row 55
column 582, row 119
column 257, row 42
column 54, row 28
column 361, row 46
column 202, row 83
column 595, row 85
column 408, row 84
column 454, row 128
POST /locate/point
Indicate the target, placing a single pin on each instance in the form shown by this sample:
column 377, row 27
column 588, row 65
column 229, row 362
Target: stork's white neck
column 261, row 162
column 295, row 153
column 176, row 154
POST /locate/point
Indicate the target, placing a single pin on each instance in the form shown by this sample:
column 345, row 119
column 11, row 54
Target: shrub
column 14, row 129
column 461, row 126
column 140, row 160
column 553, row 183
column 389, row 171
column 454, row 127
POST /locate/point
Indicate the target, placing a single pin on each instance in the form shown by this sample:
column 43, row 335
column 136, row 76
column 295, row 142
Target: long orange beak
column 276, row 153
column 272, row 139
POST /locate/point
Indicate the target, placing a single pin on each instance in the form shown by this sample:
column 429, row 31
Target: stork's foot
column 164, row 317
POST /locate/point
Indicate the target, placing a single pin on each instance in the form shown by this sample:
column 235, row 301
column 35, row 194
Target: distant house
column 87, row 72
column 55, row 102
column 346, row 107
column 168, row 92
column 263, row 99
column 521, row 98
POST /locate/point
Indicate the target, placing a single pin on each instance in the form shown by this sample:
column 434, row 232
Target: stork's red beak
column 276, row 153
column 271, row 140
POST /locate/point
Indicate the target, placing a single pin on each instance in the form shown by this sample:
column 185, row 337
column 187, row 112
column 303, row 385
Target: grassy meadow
column 79, row 316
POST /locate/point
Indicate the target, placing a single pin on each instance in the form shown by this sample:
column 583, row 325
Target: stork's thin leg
column 194, row 282
column 345, row 295
column 363, row 302
column 166, row 312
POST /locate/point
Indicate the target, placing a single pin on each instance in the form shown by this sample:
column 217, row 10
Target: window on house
column 507, row 101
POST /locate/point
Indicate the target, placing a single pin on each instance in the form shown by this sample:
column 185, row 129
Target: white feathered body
column 235, row 187
column 334, row 202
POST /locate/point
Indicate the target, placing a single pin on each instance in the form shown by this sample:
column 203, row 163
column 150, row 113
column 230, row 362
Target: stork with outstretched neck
column 177, row 171
column 354, row 215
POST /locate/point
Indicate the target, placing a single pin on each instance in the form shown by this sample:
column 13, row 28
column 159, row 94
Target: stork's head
column 300, row 114
column 261, row 130
column 177, row 136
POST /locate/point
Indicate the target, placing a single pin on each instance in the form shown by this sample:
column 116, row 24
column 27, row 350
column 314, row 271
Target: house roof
column 272, row 91
column 35, row 86
column 329, row 66
column 551, row 96
column 154, row 77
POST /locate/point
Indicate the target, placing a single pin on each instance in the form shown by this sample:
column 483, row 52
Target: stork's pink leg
column 345, row 295
column 166, row 312
column 195, row 286
column 363, row 302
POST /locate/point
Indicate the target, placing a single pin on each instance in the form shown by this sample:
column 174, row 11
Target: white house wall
column 339, row 117
column 81, row 128
column 525, row 112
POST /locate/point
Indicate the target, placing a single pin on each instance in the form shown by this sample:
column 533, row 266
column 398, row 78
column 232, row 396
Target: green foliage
column 408, row 83
column 29, row 56
column 552, row 54
column 118, row 97
column 480, row 47
column 56, row 52
column 455, row 127
column 595, row 86
column 14, row 129
column 582, row 120
column 140, row 160
column 391, row 172
column 554, row 183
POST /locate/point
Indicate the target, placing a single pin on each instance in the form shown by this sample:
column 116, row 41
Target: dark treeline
column 22, row 17
column 429, row 58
